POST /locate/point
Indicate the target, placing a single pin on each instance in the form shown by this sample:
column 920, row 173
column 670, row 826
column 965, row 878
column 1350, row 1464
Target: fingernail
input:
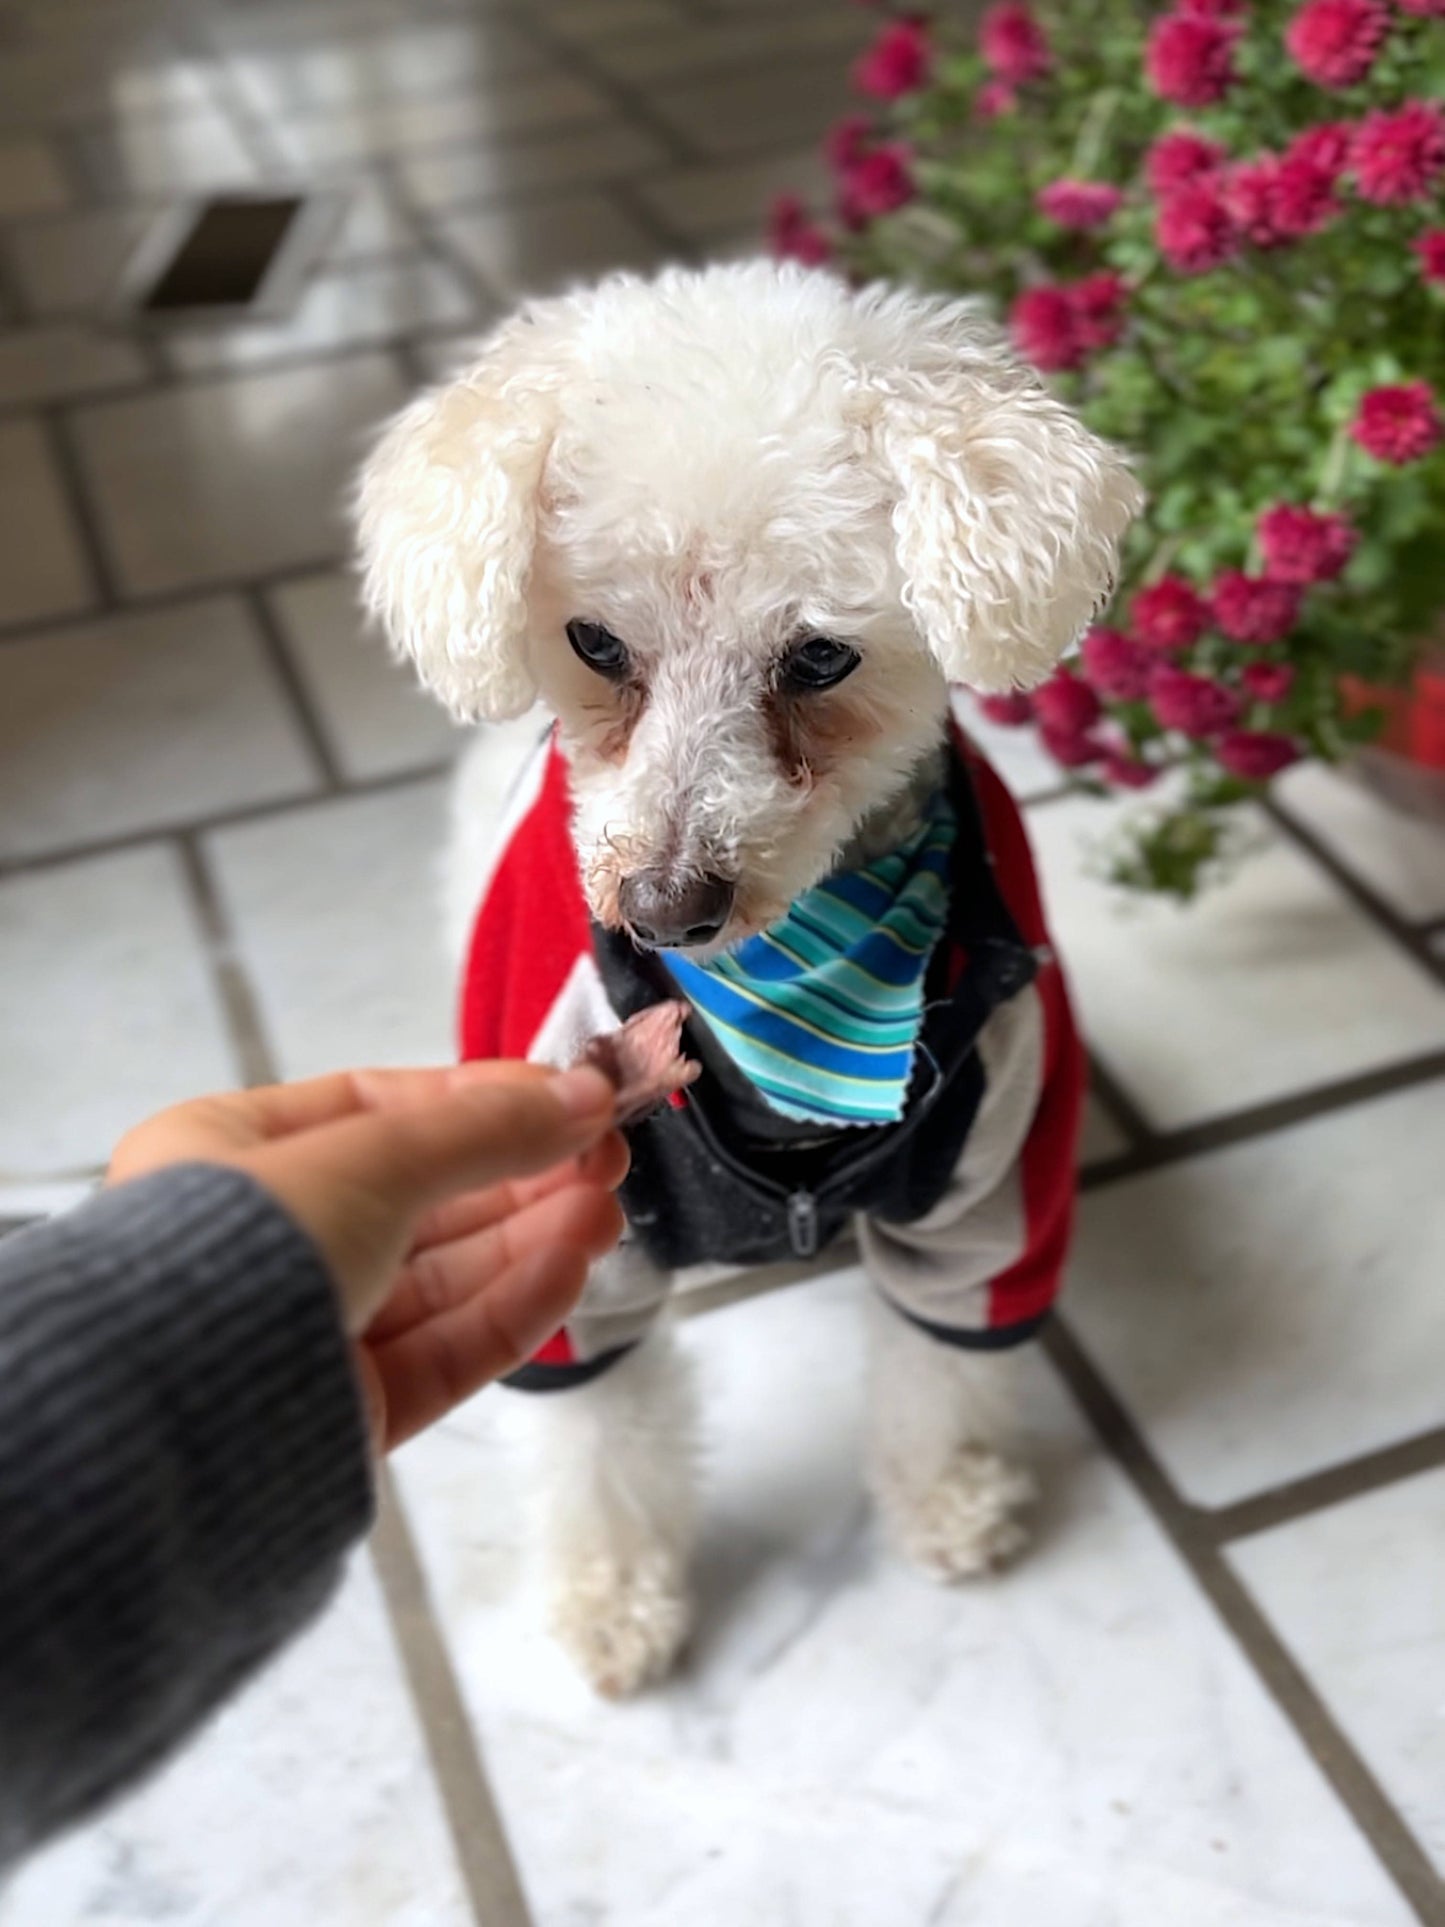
column 583, row 1093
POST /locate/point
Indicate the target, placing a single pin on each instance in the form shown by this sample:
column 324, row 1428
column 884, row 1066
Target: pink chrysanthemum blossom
column 898, row 62
column 1397, row 157
column 1325, row 146
column 1189, row 59
column 1253, row 608
column 1178, row 158
column 1303, row 545
column 1170, row 615
column 1194, row 705
column 1125, row 772
column 1078, row 204
column 1066, row 703
column 1117, row 666
column 1194, row 228
column 1010, row 712
column 1014, row 45
column 1041, row 322
column 1304, row 196
column 994, row 99
column 1072, row 748
column 1098, row 308
column 847, row 143
column 1268, row 682
column 1335, row 42
column 877, row 183
column 1399, row 423
column 1250, row 192
column 1430, row 251
column 1254, row 755
column 795, row 236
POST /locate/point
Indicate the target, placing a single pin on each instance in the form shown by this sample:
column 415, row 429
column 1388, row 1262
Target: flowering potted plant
column 1218, row 229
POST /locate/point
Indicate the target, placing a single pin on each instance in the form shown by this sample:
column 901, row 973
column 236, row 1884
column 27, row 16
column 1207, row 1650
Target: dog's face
column 738, row 529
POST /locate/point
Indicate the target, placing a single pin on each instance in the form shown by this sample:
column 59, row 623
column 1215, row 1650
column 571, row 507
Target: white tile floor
column 1247, row 1390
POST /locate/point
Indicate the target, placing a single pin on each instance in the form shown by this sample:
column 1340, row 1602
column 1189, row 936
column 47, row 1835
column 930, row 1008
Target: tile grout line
column 479, row 1837
column 295, row 691
column 1352, row 1781
column 85, row 523
column 1333, row 1485
column 239, row 1004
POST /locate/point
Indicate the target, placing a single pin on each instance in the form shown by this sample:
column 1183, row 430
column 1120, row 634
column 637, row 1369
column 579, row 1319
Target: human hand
column 457, row 1210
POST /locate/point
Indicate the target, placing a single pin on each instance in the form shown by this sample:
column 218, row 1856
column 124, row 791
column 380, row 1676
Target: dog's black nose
column 668, row 912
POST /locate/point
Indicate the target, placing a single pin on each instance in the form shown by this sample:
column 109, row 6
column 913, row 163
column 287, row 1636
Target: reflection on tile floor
column 1088, row 1742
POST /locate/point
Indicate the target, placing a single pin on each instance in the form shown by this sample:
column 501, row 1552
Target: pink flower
column 1253, row 608
column 1066, row 704
column 1190, row 59
column 1325, row 145
column 1010, row 712
column 1041, row 322
column 1255, row 755
column 1078, row 204
column 1116, row 665
column 1268, row 682
column 1303, row 545
column 1072, row 748
column 1179, row 157
column 1423, row 9
column 1334, row 42
column 1396, row 156
column 1170, row 615
column 994, row 99
column 1399, row 423
column 1212, row 9
column 848, row 142
column 897, row 63
column 1430, row 248
column 1194, row 229
column 794, row 236
column 1125, row 772
column 1013, row 44
column 1304, row 195
column 1194, row 705
column 1097, row 303
column 1250, row 191
column 877, row 183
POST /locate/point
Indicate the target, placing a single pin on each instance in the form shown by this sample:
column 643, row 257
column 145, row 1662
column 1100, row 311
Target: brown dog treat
column 643, row 1059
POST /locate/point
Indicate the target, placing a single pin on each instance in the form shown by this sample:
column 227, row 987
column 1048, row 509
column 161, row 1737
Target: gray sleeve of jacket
column 183, row 1463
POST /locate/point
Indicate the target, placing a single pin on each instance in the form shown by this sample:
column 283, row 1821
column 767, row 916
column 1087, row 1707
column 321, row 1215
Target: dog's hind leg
column 618, row 1459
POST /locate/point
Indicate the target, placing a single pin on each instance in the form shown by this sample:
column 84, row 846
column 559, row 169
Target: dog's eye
column 598, row 648
column 818, row 663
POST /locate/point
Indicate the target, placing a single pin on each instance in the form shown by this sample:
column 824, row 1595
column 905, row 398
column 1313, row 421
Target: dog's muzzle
column 670, row 912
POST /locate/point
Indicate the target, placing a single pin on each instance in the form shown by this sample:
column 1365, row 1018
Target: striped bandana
column 821, row 1012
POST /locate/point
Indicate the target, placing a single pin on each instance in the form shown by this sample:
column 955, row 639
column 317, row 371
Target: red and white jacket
column 962, row 1209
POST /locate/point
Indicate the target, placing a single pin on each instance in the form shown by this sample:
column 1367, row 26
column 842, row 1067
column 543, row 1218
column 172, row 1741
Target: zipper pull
column 803, row 1224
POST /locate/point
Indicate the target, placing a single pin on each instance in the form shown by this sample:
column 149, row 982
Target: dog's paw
column 967, row 1522
column 624, row 1626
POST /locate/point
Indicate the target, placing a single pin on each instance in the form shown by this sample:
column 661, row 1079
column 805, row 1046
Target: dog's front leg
column 618, row 1459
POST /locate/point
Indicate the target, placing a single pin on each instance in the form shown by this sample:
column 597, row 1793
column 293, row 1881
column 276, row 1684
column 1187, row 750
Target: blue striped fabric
column 821, row 1012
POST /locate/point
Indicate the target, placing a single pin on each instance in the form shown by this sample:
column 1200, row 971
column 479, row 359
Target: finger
column 606, row 1165
column 424, row 1373
column 437, row 1280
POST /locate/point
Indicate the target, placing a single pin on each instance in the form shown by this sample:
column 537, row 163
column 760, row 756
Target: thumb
column 359, row 1186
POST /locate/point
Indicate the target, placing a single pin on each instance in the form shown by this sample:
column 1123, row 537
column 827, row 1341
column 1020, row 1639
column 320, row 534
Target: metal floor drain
column 233, row 258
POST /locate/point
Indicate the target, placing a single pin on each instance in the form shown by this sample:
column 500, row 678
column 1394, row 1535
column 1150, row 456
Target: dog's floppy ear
column 1009, row 512
column 446, row 519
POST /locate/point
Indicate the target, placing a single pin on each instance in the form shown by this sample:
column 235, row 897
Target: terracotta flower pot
column 1406, row 762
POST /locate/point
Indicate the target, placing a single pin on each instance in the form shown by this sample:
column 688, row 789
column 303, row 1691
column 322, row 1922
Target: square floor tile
column 829, row 35
column 338, row 921
column 1270, row 983
column 71, row 264
column 109, row 1012
column 1401, row 857
column 1272, row 1309
column 787, row 102
column 42, row 568
column 1099, row 1136
column 232, row 478
column 1017, row 754
column 356, row 307
column 308, row 1802
column 378, row 721
column 1355, row 1594
column 1074, row 1742
column 31, row 179
column 549, row 243
column 49, row 364
column 372, row 226
column 707, row 202
column 57, row 81
column 431, row 60
column 392, row 127
column 192, row 153
column 140, row 722
column 454, row 176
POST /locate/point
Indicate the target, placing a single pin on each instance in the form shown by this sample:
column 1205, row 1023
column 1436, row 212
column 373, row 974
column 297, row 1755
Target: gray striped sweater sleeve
column 183, row 1463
